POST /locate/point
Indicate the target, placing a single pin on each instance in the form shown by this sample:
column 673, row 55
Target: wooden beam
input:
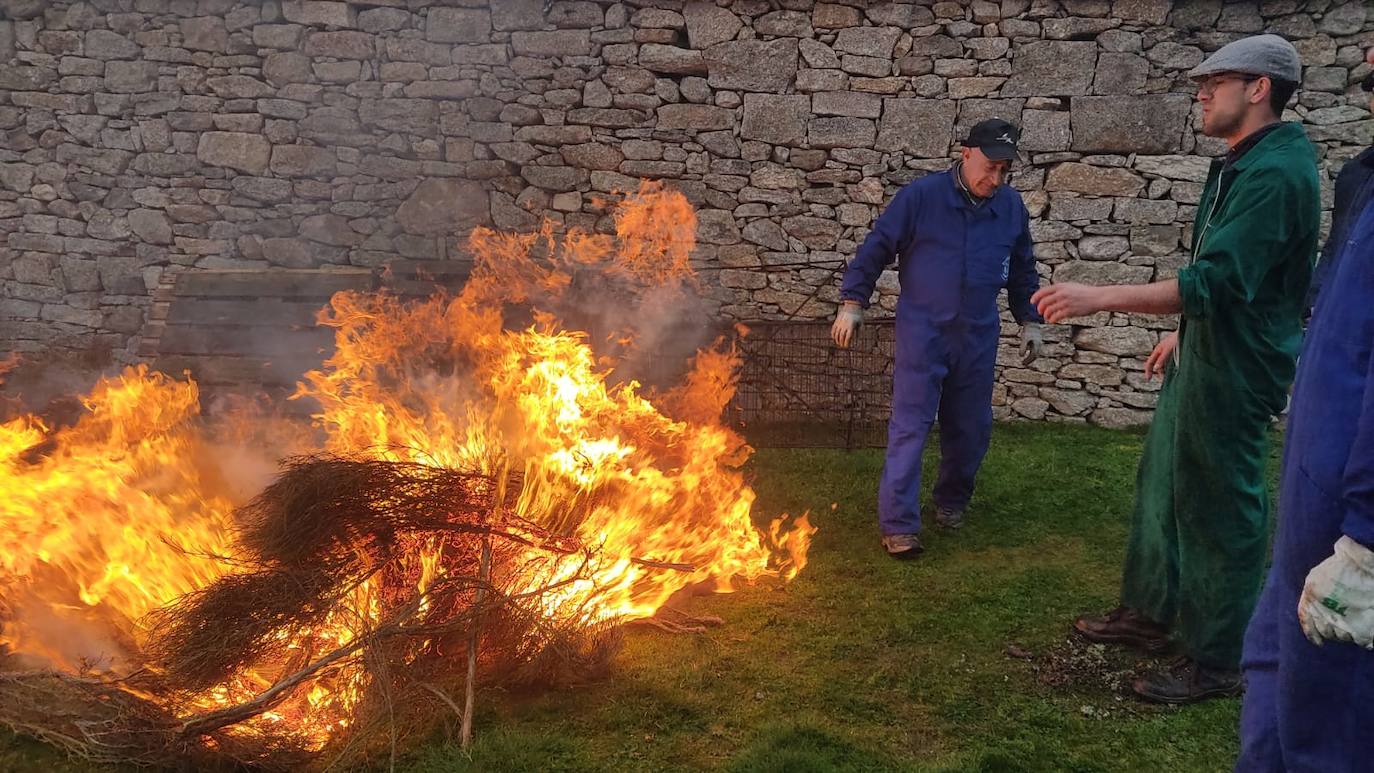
column 261, row 312
column 280, row 283
column 263, row 342
column 237, row 370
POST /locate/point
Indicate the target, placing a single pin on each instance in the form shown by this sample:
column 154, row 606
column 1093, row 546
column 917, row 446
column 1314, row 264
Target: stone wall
column 144, row 136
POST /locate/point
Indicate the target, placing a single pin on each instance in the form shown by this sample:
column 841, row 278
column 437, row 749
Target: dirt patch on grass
column 1077, row 663
column 1077, row 666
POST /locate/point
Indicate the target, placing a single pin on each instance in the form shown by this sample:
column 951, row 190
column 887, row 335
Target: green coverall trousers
column 1199, row 532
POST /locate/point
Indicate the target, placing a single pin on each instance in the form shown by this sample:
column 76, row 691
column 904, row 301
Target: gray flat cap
column 1259, row 55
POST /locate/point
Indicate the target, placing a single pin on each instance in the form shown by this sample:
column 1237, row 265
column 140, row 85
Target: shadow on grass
column 803, row 747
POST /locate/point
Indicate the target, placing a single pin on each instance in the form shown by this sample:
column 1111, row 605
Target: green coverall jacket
column 1199, row 533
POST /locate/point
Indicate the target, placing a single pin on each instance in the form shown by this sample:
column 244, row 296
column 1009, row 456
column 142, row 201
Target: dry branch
column 327, row 530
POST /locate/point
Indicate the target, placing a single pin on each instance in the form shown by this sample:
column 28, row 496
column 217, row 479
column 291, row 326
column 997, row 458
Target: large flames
column 110, row 520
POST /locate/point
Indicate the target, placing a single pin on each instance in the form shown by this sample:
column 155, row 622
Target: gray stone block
column 1058, row 68
column 828, row 132
column 708, row 25
column 1152, row 123
column 922, row 127
column 780, row 120
column 752, row 65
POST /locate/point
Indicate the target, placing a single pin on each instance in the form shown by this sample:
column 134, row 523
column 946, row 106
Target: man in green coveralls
column 1195, row 559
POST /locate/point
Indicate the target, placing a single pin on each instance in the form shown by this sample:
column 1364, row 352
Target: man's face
column 1225, row 98
column 983, row 175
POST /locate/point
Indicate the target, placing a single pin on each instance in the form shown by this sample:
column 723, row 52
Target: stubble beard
column 1221, row 126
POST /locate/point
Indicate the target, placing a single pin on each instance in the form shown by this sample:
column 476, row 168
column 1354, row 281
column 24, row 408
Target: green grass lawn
column 865, row 663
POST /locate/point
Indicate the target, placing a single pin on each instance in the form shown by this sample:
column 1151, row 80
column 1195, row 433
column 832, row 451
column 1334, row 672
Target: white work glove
column 1032, row 342
column 847, row 322
column 1338, row 600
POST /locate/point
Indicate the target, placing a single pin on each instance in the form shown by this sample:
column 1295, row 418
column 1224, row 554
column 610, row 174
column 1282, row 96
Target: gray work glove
column 847, row 322
column 1032, row 342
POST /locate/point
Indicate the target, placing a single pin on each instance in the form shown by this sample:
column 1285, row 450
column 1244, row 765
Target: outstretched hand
column 1067, row 300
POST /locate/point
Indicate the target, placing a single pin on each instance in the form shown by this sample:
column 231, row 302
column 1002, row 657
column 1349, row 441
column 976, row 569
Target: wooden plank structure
column 255, row 331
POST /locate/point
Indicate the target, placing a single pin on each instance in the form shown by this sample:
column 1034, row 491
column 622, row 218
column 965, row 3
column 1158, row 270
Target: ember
column 478, row 479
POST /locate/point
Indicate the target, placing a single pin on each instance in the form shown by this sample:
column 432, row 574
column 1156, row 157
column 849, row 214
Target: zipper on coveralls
column 1201, row 239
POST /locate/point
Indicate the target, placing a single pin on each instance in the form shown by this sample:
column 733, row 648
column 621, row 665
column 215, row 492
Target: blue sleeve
column 1352, row 189
column 1358, row 483
column 1358, row 479
column 1022, row 278
column 890, row 236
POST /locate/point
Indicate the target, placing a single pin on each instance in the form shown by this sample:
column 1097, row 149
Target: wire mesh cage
column 797, row 389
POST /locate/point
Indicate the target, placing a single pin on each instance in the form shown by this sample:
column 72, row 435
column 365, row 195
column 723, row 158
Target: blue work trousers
column 1307, row 709
column 942, row 371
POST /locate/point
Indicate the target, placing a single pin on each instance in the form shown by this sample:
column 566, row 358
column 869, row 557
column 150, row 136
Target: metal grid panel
column 797, row 389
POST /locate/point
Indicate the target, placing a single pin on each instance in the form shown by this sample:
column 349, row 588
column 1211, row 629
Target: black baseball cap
column 996, row 138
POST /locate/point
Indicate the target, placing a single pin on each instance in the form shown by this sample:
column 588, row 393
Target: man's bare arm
column 1153, row 298
column 1069, row 300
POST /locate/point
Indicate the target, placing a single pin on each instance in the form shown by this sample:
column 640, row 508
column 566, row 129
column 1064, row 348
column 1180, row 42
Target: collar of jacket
column 1244, row 146
column 959, row 198
column 1280, row 136
column 1367, row 157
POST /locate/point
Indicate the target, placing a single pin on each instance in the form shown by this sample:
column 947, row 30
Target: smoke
column 672, row 323
column 47, row 385
column 72, row 637
column 240, row 472
column 634, row 296
column 645, row 334
column 245, row 437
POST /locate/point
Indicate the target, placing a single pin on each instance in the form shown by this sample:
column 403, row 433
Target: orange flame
column 118, row 520
column 131, row 508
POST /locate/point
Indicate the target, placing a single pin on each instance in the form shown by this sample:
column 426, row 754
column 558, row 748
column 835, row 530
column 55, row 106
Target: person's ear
column 1260, row 95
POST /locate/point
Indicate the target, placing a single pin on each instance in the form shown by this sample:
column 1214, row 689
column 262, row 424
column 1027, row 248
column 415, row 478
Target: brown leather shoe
column 1127, row 626
column 902, row 546
column 1186, row 681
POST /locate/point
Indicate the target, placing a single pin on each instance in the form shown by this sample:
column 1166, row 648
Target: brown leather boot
column 949, row 518
column 1187, row 681
column 1127, row 626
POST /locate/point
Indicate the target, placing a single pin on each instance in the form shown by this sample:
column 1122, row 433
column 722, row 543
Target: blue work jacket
column 952, row 257
column 1331, row 428
column 1354, row 189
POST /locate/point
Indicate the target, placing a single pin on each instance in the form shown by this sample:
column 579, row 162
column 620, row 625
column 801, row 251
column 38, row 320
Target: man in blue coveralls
column 958, row 237
column 1309, row 671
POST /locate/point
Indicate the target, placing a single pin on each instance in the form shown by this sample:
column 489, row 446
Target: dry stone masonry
column 139, row 137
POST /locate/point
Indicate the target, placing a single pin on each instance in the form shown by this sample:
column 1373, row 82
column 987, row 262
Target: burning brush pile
column 485, row 498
